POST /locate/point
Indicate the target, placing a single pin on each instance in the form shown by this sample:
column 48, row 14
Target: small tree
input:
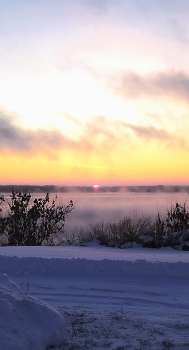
column 177, row 218
column 33, row 222
column 168, row 231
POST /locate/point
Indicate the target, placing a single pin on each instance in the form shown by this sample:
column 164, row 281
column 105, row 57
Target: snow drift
column 27, row 323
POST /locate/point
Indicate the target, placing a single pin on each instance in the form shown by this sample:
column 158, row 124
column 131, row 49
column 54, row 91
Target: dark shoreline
column 90, row 189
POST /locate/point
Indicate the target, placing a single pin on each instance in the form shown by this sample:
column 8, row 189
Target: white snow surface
column 26, row 322
column 95, row 251
column 109, row 298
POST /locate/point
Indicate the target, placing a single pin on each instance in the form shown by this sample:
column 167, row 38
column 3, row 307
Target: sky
column 94, row 92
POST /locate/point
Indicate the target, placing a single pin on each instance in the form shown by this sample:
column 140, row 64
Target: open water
column 97, row 207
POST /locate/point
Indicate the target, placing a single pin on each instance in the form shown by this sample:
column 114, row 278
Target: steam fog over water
column 91, row 208
column 97, row 207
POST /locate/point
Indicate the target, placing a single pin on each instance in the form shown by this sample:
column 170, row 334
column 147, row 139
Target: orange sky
column 94, row 92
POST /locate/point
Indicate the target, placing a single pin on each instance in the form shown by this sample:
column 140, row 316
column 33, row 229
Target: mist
column 109, row 207
column 107, row 204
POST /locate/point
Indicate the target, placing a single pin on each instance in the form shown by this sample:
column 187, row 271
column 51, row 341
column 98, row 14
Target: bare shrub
column 32, row 222
column 172, row 230
column 115, row 234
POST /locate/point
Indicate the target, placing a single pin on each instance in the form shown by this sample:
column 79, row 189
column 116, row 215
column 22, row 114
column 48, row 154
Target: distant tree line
column 90, row 189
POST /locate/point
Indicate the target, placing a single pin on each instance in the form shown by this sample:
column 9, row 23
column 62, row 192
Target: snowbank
column 94, row 260
column 25, row 322
column 42, row 267
column 97, row 252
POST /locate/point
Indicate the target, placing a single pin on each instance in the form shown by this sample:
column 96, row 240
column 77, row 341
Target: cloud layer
column 99, row 136
column 18, row 140
column 168, row 84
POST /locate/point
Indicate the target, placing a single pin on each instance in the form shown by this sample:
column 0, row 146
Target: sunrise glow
column 96, row 188
column 94, row 92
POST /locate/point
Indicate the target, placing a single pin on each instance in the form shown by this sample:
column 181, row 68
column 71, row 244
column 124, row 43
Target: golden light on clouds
column 94, row 92
column 148, row 163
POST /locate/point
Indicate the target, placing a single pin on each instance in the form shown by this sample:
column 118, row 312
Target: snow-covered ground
column 25, row 322
column 110, row 298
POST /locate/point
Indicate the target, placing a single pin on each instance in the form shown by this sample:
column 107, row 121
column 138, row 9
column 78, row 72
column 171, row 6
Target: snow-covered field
column 108, row 298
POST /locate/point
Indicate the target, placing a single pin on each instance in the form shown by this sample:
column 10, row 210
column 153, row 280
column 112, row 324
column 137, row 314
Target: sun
column 95, row 187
